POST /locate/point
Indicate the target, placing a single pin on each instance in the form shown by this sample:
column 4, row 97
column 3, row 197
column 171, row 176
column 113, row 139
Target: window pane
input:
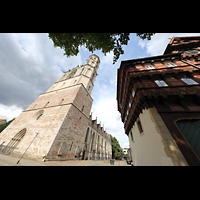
column 189, row 81
column 161, row 83
column 191, row 51
column 158, row 83
column 140, row 127
column 39, row 116
column 150, row 67
column 171, row 64
column 168, row 64
column 193, row 82
column 133, row 92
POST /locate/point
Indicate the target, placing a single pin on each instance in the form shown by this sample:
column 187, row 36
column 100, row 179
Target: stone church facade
column 97, row 143
column 57, row 121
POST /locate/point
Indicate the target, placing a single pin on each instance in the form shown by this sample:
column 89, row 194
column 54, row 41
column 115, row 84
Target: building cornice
column 69, row 87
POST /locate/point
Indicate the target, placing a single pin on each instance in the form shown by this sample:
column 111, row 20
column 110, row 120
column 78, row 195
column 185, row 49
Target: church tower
column 57, row 120
column 159, row 101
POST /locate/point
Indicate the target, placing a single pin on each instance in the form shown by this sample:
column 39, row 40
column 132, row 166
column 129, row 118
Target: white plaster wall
column 147, row 147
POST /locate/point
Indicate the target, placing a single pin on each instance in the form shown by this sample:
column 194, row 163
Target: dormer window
column 171, row 64
column 191, row 51
column 189, row 81
column 161, row 83
column 150, row 67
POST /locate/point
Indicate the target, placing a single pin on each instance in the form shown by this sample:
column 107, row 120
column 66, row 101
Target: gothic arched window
column 82, row 71
column 72, row 73
column 86, row 136
column 92, row 76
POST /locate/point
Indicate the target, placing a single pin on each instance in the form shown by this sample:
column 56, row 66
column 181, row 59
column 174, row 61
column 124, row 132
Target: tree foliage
column 116, row 149
column 106, row 42
column 3, row 126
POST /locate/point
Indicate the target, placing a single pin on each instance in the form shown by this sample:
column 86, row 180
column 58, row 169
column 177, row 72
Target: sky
column 29, row 65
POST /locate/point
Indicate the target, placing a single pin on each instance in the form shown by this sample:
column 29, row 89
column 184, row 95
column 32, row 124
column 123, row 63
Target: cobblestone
column 11, row 160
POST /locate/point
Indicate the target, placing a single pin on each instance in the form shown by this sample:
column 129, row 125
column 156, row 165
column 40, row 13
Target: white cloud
column 158, row 42
column 108, row 59
column 29, row 65
column 9, row 112
column 142, row 43
column 125, row 145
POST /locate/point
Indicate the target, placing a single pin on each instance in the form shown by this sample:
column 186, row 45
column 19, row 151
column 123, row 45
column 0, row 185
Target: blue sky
column 30, row 64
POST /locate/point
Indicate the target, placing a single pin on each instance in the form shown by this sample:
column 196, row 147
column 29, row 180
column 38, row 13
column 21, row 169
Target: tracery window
column 86, row 136
column 82, row 71
column 72, row 73
column 39, row 117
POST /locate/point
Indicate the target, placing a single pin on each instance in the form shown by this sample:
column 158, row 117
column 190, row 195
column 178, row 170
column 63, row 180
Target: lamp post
column 27, row 148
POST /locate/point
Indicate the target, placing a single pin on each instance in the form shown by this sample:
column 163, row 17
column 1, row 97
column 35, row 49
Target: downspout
column 190, row 64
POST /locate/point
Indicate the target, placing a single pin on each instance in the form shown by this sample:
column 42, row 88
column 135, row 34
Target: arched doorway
column 9, row 148
column 190, row 129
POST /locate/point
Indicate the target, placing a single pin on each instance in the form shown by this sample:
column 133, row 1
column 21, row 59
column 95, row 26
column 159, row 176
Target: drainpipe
column 190, row 64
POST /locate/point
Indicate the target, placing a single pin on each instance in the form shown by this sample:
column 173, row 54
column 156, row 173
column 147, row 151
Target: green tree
column 3, row 126
column 106, row 42
column 116, row 149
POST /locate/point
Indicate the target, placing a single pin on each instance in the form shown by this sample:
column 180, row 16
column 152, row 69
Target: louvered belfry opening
column 9, row 148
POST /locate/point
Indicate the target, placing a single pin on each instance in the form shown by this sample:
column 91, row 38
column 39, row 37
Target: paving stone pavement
column 11, row 160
